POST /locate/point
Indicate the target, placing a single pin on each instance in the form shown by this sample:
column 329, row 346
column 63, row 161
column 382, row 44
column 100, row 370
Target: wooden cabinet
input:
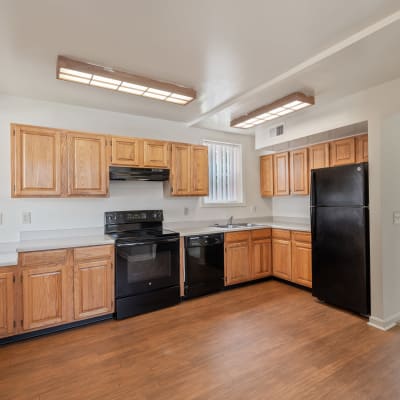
column 361, row 148
column 189, row 170
column 87, row 165
column 318, row 156
column 199, row 164
column 155, row 154
column 301, row 258
column 267, row 176
column 261, row 257
column 46, row 289
column 342, row 152
column 281, row 174
column 299, row 172
column 126, row 151
column 7, row 299
column 93, row 281
column 237, row 257
column 36, row 161
column 281, row 254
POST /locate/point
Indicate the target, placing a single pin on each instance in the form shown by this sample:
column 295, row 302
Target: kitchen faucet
column 230, row 220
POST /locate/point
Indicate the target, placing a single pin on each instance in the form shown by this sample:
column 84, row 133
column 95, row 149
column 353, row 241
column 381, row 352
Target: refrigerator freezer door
column 345, row 186
column 340, row 257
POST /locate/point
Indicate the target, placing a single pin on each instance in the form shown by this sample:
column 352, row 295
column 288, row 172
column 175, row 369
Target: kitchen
column 342, row 111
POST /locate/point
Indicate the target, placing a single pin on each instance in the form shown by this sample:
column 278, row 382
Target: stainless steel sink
column 233, row 226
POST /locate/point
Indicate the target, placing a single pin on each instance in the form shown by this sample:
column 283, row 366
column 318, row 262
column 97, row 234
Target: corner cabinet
column 361, row 148
column 189, row 170
column 36, row 161
column 87, row 165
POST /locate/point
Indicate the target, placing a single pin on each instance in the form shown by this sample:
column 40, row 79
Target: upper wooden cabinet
column 318, row 156
column 362, row 148
column 155, row 154
column 126, row 151
column 342, row 152
column 267, row 176
column 87, row 165
column 7, row 298
column 299, row 172
column 281, row 174
column 36, row 158
column 189, row 170
column 199, row 159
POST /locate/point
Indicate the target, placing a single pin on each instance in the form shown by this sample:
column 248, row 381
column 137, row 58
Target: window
column 225, row 173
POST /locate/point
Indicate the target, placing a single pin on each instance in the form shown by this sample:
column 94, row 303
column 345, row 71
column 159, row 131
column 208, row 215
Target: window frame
column 240, row 182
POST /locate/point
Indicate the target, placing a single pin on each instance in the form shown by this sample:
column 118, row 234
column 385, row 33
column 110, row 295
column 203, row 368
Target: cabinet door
column 261, row 258
column 301, row 263
column 181, row 170
column 93, row 288
column 342, row 152
column 199, row 165
column 281, row 174
column 281, row 259
column 299, row 172
column 318, row 156
column 267, row 176
column 237, row 262
column 45, row 294
column 36, row 162
column 87, row 166
column 7, row 303
column 126, row 151
column 362, row 148
column 155, row 154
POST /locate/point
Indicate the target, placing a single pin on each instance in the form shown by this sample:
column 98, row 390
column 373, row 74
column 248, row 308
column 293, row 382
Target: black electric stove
column 146, row 262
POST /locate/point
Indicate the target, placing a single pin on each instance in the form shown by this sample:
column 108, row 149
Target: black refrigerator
column 340, row 236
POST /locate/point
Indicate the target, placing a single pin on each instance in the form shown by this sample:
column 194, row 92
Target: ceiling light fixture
column 287, row 105
column 108, row 78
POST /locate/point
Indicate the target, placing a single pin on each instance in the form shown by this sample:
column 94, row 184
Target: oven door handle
column 150, row 242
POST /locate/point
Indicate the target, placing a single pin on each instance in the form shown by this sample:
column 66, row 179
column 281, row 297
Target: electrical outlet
column 26, row 217
column 253, row 209
column 396, row 217
column 1, row 218
column 185, row 210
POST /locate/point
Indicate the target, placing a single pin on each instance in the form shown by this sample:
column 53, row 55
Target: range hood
column 138, row 174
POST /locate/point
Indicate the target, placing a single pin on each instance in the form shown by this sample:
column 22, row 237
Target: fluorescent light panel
column 93, row 75
column 287, row 105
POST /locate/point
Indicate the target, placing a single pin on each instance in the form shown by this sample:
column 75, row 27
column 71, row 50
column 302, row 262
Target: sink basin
column 233, row 226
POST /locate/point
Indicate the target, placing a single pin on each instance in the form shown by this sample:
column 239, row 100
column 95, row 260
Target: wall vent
column 277, row 130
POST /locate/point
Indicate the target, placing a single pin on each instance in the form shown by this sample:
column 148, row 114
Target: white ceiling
column 230, row 51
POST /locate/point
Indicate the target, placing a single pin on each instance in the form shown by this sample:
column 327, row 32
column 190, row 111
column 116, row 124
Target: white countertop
column 63, row 243
column 8, row 259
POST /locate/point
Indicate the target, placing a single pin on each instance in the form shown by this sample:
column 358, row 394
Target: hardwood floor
column 264, row 341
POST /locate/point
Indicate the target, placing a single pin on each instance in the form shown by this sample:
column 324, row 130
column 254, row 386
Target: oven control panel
column 129, row 217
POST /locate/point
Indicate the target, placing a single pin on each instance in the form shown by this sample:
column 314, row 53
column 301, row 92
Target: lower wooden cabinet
column 7, row 299
column 55, row 287
column 261, row 255
column 237, row 257
column 281, row 257
column 301, row 263
column 93, row 283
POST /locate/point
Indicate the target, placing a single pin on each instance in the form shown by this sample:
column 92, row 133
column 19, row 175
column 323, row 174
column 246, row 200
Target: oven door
column 146, row 266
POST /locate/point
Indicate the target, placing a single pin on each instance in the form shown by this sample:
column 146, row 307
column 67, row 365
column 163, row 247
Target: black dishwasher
column 204, row 264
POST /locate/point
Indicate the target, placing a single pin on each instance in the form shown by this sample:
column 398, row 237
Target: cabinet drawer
column 299, row 236
column 281, row 234
column 237, row 236
column 42, row 258
column 261, row 233
column 93, row 252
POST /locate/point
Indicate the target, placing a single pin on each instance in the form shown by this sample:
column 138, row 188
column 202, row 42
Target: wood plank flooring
column 264, row 341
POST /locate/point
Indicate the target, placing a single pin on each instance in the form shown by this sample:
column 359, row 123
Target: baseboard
column 384, row 324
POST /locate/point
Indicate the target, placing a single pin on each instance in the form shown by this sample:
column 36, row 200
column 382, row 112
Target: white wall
column 291, row 206
column 374, row 105
column 88, row 212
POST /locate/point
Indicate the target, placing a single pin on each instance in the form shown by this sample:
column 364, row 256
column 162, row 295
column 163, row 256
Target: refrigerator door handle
column 312, row 187
column 313, row 224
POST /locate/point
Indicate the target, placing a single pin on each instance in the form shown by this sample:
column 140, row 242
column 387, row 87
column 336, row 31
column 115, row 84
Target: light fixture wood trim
column 108, row 72
column 278, row 103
